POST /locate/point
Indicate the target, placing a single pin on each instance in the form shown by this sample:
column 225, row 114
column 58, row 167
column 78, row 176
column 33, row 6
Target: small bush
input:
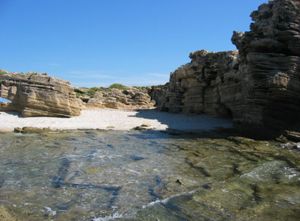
column 3, row 72
column 118, row 86
column 92, row 91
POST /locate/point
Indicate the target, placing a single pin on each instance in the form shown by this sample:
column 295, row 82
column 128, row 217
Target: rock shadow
column 184, row 122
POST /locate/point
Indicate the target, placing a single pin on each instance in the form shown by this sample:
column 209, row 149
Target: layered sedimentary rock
column 159, row 95
column 38, row 95
column 259, row 86
column 129, row 98
column 270, row 66
column 208, row 84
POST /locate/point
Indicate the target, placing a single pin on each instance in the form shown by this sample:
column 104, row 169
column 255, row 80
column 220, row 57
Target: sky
column 100, row 42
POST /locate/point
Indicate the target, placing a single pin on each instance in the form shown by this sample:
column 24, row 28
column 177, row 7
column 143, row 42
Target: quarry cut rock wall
column 38, row 95
column 258, row 85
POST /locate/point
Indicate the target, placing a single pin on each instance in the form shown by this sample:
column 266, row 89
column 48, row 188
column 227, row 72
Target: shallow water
column 96, row 175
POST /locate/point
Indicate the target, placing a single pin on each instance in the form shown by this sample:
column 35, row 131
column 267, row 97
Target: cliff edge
column 258, row 86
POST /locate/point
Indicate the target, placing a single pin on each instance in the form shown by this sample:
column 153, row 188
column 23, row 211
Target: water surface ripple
column 148, row 175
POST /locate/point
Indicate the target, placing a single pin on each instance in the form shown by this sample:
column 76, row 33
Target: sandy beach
column 110, row 119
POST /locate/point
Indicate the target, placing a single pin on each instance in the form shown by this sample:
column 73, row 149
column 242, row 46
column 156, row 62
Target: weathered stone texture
column 205, row 85
column 270, row 65
column 38, row 95
column 130, row 98
column 258, row 86
column 158, row 94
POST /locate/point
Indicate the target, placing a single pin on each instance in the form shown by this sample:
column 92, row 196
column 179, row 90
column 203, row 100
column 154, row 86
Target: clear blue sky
column 99, row 42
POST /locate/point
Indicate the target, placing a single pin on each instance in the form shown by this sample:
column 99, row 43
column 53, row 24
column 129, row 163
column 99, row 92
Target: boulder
column 34, row 95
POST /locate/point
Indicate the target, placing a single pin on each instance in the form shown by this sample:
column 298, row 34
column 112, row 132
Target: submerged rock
column 38, row 95
column 184, row 177
column 274, row 171
column 143, row 127
column 5, row 215
column 291, row 146
column 49, row 212
column 32, row 130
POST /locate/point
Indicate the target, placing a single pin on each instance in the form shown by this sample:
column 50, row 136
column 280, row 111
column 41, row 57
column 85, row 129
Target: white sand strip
column 116, row 120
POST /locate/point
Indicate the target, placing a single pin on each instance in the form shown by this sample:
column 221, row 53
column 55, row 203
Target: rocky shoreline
column 96, row 175
column 187, row 150
column 258, row 86
column 112, row 119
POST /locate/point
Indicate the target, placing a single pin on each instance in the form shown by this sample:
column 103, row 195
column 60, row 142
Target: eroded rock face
column 270, row 66
column 259, row 86
column 158, row 94
column 130, row 98
column 38, row 95
column 208, row 84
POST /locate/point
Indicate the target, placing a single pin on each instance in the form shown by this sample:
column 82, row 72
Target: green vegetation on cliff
column 92, row 91
column 118, row 86
column 3, row 72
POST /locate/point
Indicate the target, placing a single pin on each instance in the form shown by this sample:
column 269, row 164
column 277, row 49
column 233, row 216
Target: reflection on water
column 94, row 175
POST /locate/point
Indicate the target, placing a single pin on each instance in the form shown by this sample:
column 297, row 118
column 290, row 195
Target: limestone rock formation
column 158, row 95
column 208, row 84
column 130, row 98
column 259, row 86
column 38, row 95
column 270, row 66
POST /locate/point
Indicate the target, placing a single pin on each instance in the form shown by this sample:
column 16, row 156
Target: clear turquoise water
column 96, row 175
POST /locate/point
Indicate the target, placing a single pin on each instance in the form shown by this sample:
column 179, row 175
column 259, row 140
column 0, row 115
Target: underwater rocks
column 25, row 130
column 5, row 215
column 158, row 176
column 258, row 86
column 143, row 127
column 38, row 95
column 249, row 180
column 291, row 146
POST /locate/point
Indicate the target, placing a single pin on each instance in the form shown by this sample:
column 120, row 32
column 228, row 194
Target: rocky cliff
column 208, row 84
column 258, row 86
column 128, row 98
column 270, row 66
column 38, row 95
